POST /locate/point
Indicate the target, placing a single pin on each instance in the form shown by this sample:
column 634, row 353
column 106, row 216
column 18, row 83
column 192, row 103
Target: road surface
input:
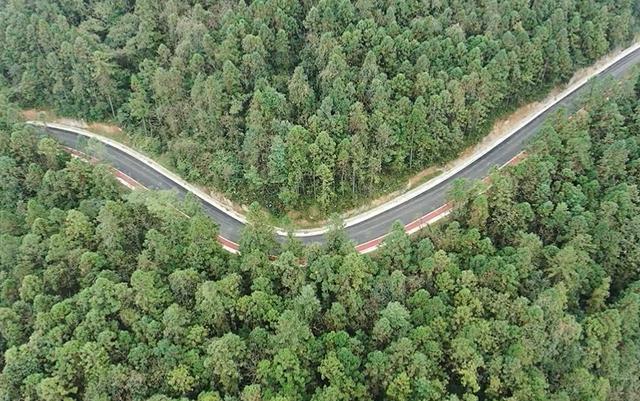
column 380, row 224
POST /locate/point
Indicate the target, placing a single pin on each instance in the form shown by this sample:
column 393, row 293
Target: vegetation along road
column 368, row 231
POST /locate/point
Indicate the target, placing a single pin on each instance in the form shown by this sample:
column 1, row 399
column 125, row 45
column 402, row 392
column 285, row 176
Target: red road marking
column 426, row 219
column 228, row 243
column 515, row 159
column 222, row 240
column 429, row 217
column 127, row 179
column 369, row 244
column 362, row 248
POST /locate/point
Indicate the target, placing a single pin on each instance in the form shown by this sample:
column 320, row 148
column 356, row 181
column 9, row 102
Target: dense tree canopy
column 531, row 291
column 300, row 102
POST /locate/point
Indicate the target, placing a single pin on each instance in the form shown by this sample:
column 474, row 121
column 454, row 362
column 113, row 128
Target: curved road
column 380, row 224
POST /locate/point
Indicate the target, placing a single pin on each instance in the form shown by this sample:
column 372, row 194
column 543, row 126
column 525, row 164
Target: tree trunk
column 411, row 156
column 353, row 181
column 113, row 113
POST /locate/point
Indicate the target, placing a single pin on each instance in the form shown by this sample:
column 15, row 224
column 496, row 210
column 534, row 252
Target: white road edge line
column 471, row 159
column 132, row 187
column 149, row 162
column 368, row 214
column 425, row 223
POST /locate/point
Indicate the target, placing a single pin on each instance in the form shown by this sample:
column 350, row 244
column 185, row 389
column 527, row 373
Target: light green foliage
column 529, row 291
column 377, row 89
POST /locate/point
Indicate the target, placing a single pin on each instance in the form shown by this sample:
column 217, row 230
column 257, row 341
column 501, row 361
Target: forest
column 300, row 104
column 529, row 291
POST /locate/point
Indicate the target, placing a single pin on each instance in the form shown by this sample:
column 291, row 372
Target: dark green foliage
column 300, row 103
column 531, row 292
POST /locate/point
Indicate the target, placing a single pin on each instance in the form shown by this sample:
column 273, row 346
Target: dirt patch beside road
column 500, row 128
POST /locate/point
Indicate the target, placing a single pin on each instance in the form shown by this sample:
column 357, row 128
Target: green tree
column 257, row 235
column 227, row 359
column 103, row 73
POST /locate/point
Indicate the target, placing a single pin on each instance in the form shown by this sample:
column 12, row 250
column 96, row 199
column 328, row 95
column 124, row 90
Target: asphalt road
column 380, row 224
